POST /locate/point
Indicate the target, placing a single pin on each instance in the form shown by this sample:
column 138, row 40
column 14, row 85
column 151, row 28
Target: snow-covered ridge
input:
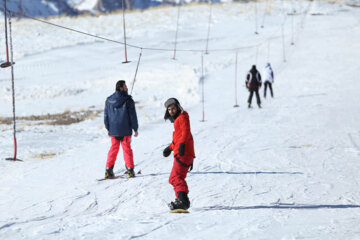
column 41, row 8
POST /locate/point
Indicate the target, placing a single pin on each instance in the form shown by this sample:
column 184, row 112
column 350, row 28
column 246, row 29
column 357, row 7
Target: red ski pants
column 127, row 151
column 178, row 174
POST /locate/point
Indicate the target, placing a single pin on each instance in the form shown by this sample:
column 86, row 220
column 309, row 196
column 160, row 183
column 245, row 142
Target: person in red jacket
column 184, row 154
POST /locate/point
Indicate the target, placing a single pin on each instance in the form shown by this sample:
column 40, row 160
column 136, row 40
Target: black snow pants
column 270, row 87
column 257, row 96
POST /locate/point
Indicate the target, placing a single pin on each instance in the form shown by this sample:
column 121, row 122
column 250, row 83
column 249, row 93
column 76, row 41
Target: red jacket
column 182, row 134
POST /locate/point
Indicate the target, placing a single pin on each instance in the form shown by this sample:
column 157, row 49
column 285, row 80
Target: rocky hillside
column 37, row 8
column 45, row 8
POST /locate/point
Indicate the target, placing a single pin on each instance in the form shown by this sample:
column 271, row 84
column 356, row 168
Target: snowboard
column 179, row 211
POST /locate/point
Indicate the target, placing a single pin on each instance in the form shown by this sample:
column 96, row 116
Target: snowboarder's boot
column 130, row 172
column 177, row 204
column 109, row 172
column 181, row 202
column 183, row 197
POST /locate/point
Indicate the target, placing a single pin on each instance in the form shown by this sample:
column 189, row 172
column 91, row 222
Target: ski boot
column 181, row 202
column 130, row 172
column 109, row 172
column 259, row 105
column 249, row 105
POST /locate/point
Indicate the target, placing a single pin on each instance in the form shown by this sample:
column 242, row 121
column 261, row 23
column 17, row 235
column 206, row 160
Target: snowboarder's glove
column 167, row 152
column 182, row 149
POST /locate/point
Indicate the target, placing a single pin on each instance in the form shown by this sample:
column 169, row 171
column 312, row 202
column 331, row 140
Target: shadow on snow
column 280, row 206
column 227, row 173
column 244, row 173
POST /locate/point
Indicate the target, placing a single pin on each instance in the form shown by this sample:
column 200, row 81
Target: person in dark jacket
column 253, row 83
column 120, row 120
column 184, row 154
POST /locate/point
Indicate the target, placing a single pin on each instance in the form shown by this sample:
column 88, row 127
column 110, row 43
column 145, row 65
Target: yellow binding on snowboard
column 179, row 211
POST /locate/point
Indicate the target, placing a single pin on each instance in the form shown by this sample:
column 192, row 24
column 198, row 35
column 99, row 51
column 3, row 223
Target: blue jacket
column 120, row 114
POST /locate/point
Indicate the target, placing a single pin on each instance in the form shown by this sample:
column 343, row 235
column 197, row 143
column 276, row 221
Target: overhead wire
column 130, row 45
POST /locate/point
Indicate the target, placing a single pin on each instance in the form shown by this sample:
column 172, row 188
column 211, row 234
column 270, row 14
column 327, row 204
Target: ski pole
column 137, row 67
column 177, row 29
column 283, row 41
column 236, row 60
column 202, row 88
column 208, row 33
column 124, row 27
column 266, row 7
column 13, row 94
column 256, row 16
column 7, row 63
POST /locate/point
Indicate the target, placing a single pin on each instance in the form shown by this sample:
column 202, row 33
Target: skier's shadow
column 279, row 206
column 245, row 173
column 229, row 173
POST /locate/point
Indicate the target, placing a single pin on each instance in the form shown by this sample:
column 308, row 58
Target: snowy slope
column 286, row 171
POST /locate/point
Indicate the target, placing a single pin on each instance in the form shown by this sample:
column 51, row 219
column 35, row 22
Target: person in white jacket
column 268, row 79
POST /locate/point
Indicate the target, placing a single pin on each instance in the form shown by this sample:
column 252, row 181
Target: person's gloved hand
column 167, row 151
column 182, row 149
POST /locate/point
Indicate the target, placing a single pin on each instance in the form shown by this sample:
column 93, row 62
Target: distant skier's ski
column 125, row 176
column 126, row 172
column 115, row 177
column 179, row 211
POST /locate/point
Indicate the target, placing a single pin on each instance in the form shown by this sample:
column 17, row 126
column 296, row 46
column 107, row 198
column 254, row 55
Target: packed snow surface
column 289, row 170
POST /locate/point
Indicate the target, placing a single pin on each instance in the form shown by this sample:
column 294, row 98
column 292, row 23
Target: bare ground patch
column 44, row 155
column 65, row 118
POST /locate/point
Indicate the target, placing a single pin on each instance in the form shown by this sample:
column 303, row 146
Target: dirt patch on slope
column 65, row 118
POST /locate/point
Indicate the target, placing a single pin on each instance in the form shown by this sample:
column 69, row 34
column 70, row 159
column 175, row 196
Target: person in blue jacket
column 120, row 120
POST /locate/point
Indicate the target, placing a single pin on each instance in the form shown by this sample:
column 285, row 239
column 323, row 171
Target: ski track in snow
column 286, row 171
